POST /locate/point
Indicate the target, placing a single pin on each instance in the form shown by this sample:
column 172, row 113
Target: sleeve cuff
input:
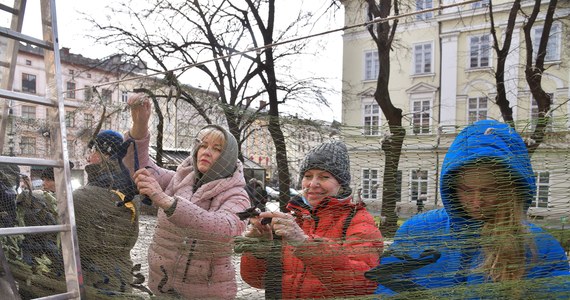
column 172, row 208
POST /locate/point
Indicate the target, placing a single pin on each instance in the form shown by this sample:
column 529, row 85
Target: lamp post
column 11, row 144
column 11, row 133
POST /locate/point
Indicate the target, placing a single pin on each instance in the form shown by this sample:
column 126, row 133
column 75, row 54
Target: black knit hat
column 333, row 158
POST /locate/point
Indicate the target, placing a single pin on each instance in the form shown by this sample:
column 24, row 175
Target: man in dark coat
column 257, row 194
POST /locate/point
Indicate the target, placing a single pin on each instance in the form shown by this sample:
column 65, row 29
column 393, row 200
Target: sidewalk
column 140, row 251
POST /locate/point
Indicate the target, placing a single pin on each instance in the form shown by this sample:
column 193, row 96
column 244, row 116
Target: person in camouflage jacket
column 107, row 221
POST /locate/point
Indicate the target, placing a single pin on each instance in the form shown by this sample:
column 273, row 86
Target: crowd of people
column 324, row 245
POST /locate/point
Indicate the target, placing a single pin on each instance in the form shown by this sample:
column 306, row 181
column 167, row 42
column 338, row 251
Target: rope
column 256, row 49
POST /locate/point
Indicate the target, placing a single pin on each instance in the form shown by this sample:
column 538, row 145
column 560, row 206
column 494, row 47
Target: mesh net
column 513, row 244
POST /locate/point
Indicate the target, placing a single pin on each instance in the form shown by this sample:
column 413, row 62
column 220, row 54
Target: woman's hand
column 257, row 230
column 141, row 109
column 284, row 225
column 147, row 185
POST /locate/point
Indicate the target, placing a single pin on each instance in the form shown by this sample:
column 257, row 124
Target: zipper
column 301, row 281
column 210, row 272
column 190, row 254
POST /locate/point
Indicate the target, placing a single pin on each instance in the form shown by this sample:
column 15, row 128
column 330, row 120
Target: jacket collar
column 298, row 206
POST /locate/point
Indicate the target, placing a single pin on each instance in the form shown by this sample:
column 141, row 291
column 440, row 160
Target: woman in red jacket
column 328, row 241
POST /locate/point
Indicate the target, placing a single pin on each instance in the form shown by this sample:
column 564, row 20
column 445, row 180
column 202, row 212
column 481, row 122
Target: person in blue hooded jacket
column 479, row 245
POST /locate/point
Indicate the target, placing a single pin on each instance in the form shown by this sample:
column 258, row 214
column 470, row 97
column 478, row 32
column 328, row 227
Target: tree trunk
column 392, row 145
column 534, row 72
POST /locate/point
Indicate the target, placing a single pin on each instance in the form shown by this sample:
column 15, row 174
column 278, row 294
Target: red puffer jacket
column 343, row 243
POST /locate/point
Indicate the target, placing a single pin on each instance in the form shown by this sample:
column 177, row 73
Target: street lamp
column 11, row 133
column 11, row 143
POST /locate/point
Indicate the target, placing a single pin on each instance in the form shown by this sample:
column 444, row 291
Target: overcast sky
column 72, row 31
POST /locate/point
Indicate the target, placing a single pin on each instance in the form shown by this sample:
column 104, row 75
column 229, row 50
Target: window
column 28, row 112
column 369, row 184
column 28, row 62
column 422, row 58
column 421, row 5
column 28, row 83
column 542, row 189
column 477, row 109
column 421, row 116
column 553, row 45
column 482, row 3
column 184, row 129
column 88, row 93
column 28, row 145
column 124, row 96
column 371, row 65
column 534, row 113
column 418, row 184
column 106, row 96
column 88, row 119
column 371, row 119
column 70, row 119
column 70, row 90
column 479, row 51
column 88, row 75
column 71, row 72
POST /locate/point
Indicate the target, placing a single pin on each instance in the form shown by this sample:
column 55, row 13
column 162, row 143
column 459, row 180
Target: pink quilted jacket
column 190, row 254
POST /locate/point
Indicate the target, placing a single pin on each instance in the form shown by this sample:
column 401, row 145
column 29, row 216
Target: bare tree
column 534, row 71
column 502, row 54
column 534, row 65
column 188, row 33
column 383, row 35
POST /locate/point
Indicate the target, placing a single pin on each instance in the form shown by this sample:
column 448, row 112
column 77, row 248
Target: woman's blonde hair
column 504, row 238
column 213, row 133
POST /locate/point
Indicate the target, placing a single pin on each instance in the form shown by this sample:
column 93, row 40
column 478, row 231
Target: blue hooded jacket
column 437, row 252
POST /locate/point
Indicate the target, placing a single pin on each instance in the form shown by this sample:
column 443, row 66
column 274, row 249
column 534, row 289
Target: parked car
column 273, row 203
column 274, row 194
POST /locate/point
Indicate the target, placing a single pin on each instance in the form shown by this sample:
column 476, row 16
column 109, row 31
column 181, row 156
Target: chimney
column 65, row 50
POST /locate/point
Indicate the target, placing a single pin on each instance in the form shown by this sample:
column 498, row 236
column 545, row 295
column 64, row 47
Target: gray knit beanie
column 333, row 158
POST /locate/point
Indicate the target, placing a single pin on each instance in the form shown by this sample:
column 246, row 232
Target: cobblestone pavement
column 139, row 255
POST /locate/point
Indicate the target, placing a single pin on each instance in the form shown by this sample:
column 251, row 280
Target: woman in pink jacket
column 190, row 254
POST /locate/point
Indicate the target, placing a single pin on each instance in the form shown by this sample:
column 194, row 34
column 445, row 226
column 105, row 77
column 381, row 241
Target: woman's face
column 49, row 185
column 94, row 156
column 318, row 184
column 480, row 193
column 209, row 150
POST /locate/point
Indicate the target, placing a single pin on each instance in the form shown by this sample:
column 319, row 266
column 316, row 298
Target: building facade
column 442, row 77
column 28, row 132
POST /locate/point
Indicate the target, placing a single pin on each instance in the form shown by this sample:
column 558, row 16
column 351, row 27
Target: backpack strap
column 128, row 204
column 347, row 222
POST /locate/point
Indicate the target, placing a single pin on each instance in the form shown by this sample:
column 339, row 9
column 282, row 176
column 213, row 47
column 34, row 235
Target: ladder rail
column 55, row 105
column 62, row 176
column 11, row 51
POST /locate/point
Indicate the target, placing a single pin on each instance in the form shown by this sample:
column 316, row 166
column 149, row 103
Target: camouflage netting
column 115, row 237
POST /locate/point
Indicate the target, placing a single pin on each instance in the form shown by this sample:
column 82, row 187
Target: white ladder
column 54, row 102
